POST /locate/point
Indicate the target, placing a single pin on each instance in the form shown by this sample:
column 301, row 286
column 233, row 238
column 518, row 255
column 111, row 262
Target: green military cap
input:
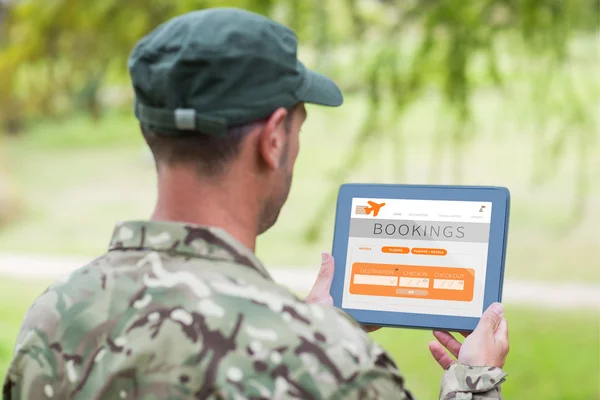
column 207, row 70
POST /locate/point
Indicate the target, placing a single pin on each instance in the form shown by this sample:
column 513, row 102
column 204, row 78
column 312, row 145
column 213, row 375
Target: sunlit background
column 481, row 92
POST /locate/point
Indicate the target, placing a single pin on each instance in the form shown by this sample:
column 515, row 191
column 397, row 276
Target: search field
column 376, row 280
column 448, row 284
column 415, row 282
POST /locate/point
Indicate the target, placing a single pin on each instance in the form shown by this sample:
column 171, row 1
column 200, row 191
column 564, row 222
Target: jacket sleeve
column 464, row 382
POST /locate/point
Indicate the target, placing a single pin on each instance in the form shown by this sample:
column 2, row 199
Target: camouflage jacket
column 175, row 311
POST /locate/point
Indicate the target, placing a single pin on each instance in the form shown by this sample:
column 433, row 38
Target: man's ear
column 273, row 137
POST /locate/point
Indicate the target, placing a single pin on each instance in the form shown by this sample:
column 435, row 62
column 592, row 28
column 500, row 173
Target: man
column 179, row 307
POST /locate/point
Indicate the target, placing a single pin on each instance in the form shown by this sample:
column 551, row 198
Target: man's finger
column 320, row 290
column 448, row 341
column 440, row 355
column 492, row 317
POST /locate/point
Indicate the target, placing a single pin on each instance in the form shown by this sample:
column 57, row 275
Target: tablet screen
column 417, row 256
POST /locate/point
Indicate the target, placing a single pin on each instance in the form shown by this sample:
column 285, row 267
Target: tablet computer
column 419, row 256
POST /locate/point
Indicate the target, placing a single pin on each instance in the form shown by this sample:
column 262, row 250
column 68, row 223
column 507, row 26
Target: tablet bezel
column 498, row 196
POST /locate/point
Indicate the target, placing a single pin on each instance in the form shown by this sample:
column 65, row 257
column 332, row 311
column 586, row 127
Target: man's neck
column 182, row 198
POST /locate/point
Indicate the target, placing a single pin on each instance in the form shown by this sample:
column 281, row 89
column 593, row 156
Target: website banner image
column 417, row 256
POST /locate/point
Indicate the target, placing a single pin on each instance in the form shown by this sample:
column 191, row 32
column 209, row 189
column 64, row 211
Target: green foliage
column 455, row 35
column 57, row 56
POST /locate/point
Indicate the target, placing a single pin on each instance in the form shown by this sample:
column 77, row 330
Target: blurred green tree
column 56, row 56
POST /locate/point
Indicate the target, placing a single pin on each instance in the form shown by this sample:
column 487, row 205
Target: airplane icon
column 373, row 207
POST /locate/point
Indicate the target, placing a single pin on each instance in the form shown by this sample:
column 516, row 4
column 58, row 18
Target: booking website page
column 417, row 256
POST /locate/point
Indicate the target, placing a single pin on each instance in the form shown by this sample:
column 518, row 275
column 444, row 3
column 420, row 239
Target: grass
column 15, row 298
column 554, row 355
column 77, row 178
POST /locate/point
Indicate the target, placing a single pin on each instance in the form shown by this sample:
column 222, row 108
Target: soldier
column 180, row 307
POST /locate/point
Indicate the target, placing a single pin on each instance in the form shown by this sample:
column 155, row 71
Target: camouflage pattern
column 174, row 311
column 461, row 382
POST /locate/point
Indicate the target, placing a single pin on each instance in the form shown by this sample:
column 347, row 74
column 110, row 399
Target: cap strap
column 181, row 119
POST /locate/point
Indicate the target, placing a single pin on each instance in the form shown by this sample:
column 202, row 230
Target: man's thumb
column 327, row 269
column 320, row 290
column 492, row 317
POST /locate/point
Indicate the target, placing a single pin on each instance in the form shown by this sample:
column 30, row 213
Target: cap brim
column 319, row 89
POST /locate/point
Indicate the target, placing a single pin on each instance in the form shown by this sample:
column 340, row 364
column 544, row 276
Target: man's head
column 220, row 92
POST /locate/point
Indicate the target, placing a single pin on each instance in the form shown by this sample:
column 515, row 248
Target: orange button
column 394, row 249
column 429, row 252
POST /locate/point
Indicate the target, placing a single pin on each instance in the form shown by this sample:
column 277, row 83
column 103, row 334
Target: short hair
column 209, row 153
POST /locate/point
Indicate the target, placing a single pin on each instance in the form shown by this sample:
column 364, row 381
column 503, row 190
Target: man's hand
column 486, row 346
column 319, row 293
